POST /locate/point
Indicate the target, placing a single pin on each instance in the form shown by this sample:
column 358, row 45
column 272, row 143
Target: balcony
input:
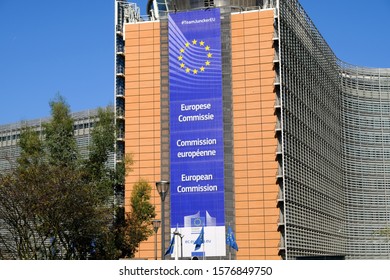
column 281, row 223
column 119, row 29
column 120, row 137
column 120, row 70
column 119, row 157
column 278, row 150
column 282, row 245
column 120, row 91
column 277, row 80
column 275, row 37
column 278, row 126
column 120, row 113
column 277, row 104
column 120, row 50
column 280, row 199
column 279, row 173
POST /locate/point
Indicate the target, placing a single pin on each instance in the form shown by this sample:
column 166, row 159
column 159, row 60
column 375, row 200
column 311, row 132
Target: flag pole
column 204, row 245
column 176, row 248
column 230, row 248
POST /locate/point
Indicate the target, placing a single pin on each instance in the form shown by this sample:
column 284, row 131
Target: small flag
column 230, row 240
column 200, row 240
column 171, row 245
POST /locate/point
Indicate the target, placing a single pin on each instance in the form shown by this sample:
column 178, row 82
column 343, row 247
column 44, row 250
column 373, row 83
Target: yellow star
column 181, row 50
column 182, row 65
column 207, row 48
column 188, row 70
column 187, row 44
column 195, row 71
column 209, row 55
column 180, row 58
column 194, row 42
column 201, row 69
column 207, row 63
column 201, row 43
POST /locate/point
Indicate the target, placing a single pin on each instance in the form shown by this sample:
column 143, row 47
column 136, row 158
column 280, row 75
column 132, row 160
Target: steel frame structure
column 336, row 147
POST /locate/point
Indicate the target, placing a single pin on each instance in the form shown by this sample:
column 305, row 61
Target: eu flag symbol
column 230, row 240
column 200, row 240
column 197, row 222
column 195, row 56
column 171, row 245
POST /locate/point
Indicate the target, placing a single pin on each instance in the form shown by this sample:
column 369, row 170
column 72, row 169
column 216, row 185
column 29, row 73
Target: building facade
column 10, row 134
column 304, row 135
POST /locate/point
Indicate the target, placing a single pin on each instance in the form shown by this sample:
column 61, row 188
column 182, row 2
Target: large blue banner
column 196, row 130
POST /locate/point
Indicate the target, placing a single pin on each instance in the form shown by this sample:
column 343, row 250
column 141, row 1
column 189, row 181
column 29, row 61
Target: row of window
column 16, row 135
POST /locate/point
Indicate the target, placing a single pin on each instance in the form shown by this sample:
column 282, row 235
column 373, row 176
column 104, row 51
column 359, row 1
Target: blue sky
column 67, row 47
column 357, row 30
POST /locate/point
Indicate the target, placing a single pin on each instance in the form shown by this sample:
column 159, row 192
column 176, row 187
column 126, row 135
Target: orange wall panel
column 254, row 135
column 142, row 122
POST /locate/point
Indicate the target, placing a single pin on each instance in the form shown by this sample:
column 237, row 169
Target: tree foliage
column 56, row 204
column 59, row 139
column 137, row 226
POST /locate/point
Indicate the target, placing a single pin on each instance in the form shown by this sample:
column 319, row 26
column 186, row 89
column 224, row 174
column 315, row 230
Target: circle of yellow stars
column 186, row 46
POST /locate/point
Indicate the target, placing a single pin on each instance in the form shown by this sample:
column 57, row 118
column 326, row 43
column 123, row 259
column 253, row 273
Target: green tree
column 59, row 135
column 137, row 226
column 56, row 205
column 102, row 145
